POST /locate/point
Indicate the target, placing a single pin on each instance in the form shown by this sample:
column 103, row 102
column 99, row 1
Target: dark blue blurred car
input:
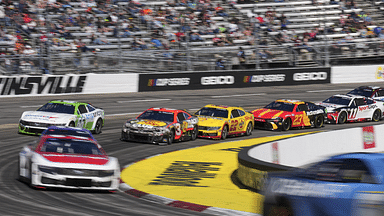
column 347, row 184
column 68, row 131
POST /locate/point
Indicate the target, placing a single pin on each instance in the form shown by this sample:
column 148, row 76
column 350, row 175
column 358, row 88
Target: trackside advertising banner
column 12, row 86
column 232, row 79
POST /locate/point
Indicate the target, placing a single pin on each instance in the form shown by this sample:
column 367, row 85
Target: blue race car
column 347, row 184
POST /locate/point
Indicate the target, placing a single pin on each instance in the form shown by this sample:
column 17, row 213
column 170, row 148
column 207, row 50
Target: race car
column 68, row 131
column 62, row 113
column 350, row 108
column 286, row 114
column 68, row 162
column 373, row 92
column 160, row 126
column 347, row 184
column 219, row 121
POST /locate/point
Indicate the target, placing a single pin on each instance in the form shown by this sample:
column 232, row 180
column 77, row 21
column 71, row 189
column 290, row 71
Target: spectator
column 156, row 43
column 220, row 64
column 220, row 11
column 241, row 57
column 29, row 51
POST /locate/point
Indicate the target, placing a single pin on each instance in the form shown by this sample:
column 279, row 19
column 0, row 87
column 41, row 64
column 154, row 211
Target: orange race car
column 160, row 126
column 286, row 114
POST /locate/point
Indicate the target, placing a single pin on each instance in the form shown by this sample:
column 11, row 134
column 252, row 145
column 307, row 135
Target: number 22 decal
column 233, row 125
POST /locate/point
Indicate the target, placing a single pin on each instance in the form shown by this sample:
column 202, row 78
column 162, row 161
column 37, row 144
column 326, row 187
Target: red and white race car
column 351, row 108
column 68, row 162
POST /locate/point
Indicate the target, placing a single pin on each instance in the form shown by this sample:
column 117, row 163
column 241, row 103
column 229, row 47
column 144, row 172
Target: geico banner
column 67, row 84
column 232, row 79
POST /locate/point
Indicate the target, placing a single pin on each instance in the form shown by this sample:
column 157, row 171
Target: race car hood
column 268, row 113
column 78, row 159
column 46, row 117
column 147, row 124
column 210, row 121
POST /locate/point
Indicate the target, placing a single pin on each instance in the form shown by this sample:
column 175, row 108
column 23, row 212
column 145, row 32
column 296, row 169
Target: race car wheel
column 342, row 118
column 248, row 132
column 194, row 133
column 286, row 125
column 124, row 136
column 224, row 132
column 319, row 121
column 98, row 126
column 171, row 137
column 376, row 115
column 71, row 124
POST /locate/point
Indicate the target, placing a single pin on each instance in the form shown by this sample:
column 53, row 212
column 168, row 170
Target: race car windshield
column 71, row 146
column 68, row 133
column 157, row 115
column 58, row 108
column 280, row 106
column 213, row 112
column 361, row 92
column 337, row 100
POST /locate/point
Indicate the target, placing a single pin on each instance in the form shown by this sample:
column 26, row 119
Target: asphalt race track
column 18, row 198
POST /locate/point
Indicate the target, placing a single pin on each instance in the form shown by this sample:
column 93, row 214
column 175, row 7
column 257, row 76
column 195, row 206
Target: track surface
column 18, row 199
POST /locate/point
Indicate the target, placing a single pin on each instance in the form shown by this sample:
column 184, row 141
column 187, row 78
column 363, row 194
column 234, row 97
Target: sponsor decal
column 264, row 78
column 218, row 80
column 315, row 112
column 369, row 137
column 41, row 85
column 300, row 188
column 310, row 76
column 379, row 72
column 275, row 153
column 238, row 149
column 169, row 82
column 187, row 173
column 151, row 123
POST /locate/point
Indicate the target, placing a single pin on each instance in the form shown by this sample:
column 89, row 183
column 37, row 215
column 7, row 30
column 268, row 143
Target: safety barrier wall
column 357, row 74
column 295, row 152
column 232, row 79
column 12, row 86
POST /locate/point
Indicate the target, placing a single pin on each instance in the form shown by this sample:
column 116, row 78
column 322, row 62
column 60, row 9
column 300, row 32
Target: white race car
column 351, row 108
column 68, row 162
column 62, row 113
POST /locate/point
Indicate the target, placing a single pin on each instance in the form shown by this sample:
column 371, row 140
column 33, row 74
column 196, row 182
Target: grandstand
column 61, row 36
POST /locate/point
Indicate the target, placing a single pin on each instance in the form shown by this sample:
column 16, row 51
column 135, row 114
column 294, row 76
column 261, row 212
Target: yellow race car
column 218, row 122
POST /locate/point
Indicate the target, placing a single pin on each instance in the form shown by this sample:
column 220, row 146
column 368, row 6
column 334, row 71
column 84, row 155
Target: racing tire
column 249, row 130
column 123, row 136
column 376, row 115
column 19, row 177
column 286, row 124
column 194, row 133
column 171, row 137
column 277, row 210
column 224, row 132
column 319, row 121
column 342, row 118
column 72, row 124
column 98, row 126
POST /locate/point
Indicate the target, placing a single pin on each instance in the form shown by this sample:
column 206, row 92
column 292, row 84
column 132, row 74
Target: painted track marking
column 149, row 100
column 240, row 95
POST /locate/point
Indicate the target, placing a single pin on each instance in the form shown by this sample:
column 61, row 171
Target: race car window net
column 338, row 100
column 360, row 101
column 234, row 114
column 302, row 107
column 346, row 171
column 157, row 115
column 380, row 93
column 180, row 117
column 82, row 109
column 281, row 106
column 71, row 146
column 213, row 112
column 58, row 108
